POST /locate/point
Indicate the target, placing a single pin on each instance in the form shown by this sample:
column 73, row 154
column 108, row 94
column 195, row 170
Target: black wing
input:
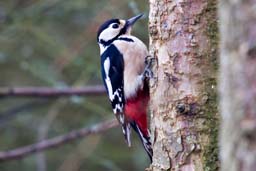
column 112, row 67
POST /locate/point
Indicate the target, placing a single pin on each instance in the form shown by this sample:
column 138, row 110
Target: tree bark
column 184, row 119
column 238, row 84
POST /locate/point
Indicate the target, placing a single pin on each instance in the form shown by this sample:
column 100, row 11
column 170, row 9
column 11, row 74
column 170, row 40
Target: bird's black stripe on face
column 106, row 43
column 105, row 26
column 125, row 39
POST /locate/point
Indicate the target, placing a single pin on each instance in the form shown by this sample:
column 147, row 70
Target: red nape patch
column 136, row 109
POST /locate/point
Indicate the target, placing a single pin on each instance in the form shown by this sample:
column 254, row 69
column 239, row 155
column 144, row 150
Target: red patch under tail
column 136, row 109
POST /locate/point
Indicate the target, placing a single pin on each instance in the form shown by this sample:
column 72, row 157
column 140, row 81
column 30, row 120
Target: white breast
column 134, row 54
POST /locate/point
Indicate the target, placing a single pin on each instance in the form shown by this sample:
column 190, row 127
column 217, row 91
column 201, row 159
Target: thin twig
column 51, row 92
column 57, row 141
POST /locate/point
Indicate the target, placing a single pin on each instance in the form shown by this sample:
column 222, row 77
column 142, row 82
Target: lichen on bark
column 184, row 117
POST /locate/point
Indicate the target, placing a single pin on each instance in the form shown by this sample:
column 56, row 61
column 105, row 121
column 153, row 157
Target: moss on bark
column 211, row 152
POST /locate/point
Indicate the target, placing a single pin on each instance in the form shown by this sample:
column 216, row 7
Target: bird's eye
column 115, row 26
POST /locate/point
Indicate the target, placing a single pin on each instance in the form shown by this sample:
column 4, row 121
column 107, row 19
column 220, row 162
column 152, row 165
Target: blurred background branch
column 57, row 141
column 52, row 92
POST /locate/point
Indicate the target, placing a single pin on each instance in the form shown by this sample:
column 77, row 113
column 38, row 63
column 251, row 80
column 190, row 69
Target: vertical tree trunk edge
column 211, row 152
column 207, row 152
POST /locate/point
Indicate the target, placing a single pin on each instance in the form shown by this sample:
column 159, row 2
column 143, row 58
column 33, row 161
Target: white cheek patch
column 108, row 34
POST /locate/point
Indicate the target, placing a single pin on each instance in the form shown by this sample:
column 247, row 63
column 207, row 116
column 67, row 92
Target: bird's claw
column 149, row 60
column 147, row 74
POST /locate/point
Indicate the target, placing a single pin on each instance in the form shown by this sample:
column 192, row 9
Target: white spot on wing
column 117, row 93
column 118, row 107
column 107, row 79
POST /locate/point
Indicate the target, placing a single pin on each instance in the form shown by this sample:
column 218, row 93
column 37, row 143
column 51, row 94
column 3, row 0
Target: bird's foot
column 147, row 74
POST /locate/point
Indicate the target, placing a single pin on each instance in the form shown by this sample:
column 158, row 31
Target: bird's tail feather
column 145, row 139
column 126, row 127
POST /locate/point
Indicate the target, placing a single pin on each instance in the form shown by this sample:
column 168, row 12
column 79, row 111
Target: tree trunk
column 238, row 84
column 184, row 120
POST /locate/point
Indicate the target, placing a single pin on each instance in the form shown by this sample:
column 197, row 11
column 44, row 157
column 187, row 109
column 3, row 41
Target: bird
column 125, row 72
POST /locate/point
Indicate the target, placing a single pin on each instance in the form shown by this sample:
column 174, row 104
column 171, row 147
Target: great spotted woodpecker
column 123, row 70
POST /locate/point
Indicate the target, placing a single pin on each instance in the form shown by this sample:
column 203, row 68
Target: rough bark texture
column 183, row 39
column 238, row 84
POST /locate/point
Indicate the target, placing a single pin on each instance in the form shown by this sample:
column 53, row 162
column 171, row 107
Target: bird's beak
column 132, row 20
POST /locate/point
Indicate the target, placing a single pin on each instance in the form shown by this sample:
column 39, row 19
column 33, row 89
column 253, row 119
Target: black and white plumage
column 113, row 65
column 123, row 64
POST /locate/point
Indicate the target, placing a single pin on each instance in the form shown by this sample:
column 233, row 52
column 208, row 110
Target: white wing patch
column 119, row 106
column 107, row 79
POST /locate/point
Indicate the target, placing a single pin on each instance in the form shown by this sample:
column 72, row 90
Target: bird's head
column 113, row 28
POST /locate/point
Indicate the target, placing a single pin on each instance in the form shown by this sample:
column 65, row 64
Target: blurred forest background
column 52, row 43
